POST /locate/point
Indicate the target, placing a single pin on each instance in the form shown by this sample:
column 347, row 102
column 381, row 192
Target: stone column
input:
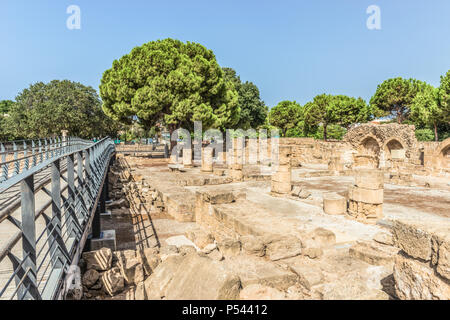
column 281, row 180
column 207, row 159
column 237, row 160
column 187, row 157
column 366, row 196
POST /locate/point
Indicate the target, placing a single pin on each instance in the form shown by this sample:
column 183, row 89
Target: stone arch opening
column 445, row 157
column 395, row 150
column 368, row 153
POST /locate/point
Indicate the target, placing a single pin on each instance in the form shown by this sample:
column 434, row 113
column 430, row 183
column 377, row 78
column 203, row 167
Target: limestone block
column 412, row 239
column 334, row 204
column 90, row 277
column 99, row 260
column 192, row 277
column 130, row 266
column 443, row 257
column 415, row 280
column 365, row 212
column 261, row 292
column 370, row 196
column 373, row 253
column 281, row 187
column 236, row 175
column 113, row 281
column 149, row 258
column 230, row 247
column 187, row 158
column 207, row 160
column 323, row 237
column 283, row 248
column 282, row 176
column 369, row 179
column 253, row 245
column 384, row 237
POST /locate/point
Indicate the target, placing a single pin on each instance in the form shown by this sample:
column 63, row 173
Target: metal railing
column 19, row 156
column 43, row 233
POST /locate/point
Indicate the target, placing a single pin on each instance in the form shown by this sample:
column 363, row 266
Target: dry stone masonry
column 363, row 218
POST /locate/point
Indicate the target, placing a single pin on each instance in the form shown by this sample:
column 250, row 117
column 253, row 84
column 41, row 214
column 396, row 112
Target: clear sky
column 290, row 49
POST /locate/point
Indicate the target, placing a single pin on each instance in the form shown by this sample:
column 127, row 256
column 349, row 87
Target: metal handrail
column 19, row 156
column 67, row 217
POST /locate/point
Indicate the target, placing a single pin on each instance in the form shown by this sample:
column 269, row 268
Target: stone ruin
column 363, row 218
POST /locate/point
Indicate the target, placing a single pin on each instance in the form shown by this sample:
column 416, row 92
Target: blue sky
column 290, row 49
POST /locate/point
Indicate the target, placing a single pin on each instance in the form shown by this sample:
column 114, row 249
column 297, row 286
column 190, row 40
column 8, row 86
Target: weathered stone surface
column 323, row 237
column 415, row 280
column 282, row 248
column 229, row 247
column 369, row 179
column 168, row 251
column 443, row 256
column 90, row 277
column 149, row 258
column 365, row 212
column 334, row 204
column 192, row 277
column 139, row 292
column 281, row 187
column 370, row 196
column 253, row 245
column 218, row 197
column 99, row 260
column 384, row 237
column 113, row 281
column 373, row 252
column 260, row 292
column 308, row 277
column 312, row 253
column 254, row 270
column 130, row 266
column 412, row 239
column 200, row 237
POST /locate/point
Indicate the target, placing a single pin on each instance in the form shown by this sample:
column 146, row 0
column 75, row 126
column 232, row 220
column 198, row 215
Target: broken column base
column 107, row 240
column 364, row 212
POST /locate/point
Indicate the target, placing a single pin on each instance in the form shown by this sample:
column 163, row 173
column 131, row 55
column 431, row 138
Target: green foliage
column 340, row 110
column 286, row 115
column 334, row 131
column 426, row 109
column 171, row 81
column 253, row 110
column 394, row 97
column 5, row 106
column 45, row 109
column 424, row 134
column 444, row 96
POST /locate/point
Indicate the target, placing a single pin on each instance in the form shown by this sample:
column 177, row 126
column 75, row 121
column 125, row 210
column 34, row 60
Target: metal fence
column 43, row 231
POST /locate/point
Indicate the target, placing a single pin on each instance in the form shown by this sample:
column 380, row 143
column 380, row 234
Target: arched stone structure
column 387, row 142
column 442, row 156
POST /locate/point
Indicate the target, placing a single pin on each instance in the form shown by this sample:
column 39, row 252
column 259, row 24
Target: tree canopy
column 171, row 81
column 444, row 96
column 394, row 97
column 45, row 109
column 286, row 115
column 253, row 110
column 426, row 109
column 5, row 106
column 339, row 110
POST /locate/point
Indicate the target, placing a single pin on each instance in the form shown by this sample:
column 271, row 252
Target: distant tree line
column 170, row 84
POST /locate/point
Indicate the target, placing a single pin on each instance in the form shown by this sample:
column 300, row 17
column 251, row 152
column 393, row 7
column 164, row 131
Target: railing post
column 71, row 213
column 55, row 231
column 28, row 240
column 96, row 225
